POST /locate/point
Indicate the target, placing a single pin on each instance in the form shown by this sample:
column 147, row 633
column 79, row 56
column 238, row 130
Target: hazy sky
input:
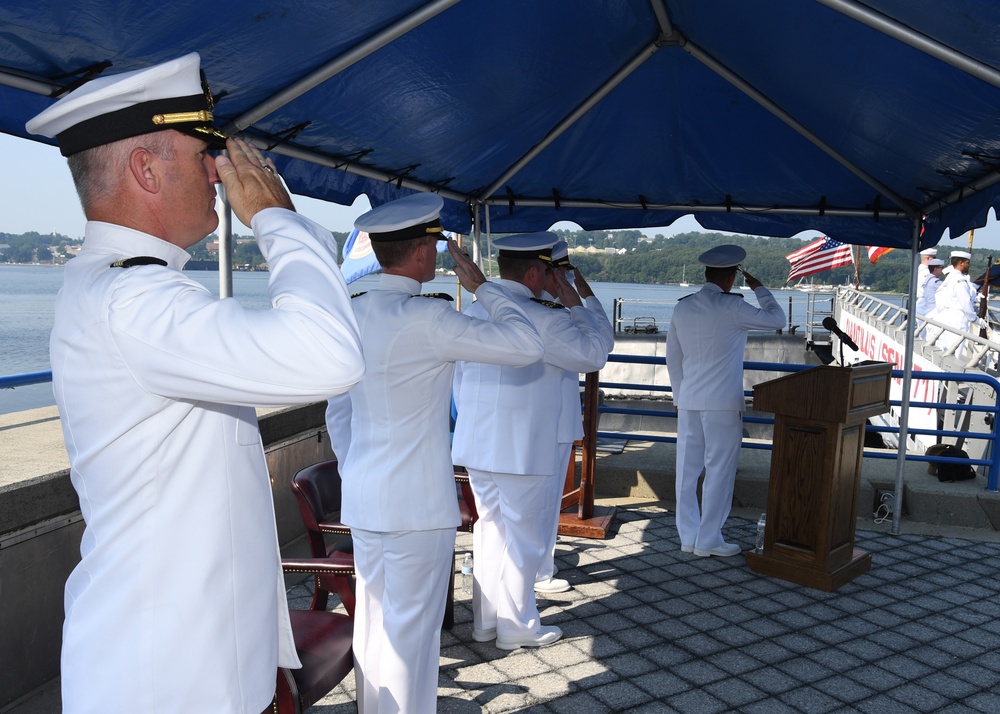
column 36, row 194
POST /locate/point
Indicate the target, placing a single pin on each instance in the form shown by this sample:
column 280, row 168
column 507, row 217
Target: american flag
column 820, row 255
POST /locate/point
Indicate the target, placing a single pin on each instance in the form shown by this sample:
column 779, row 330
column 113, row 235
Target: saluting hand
column 469, row 274
column 582, row 286
column 252, row 182
column 752, row 282
column 565, row 292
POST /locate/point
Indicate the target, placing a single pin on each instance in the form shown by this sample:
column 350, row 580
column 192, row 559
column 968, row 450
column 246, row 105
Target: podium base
column 811, row 576
column 597, row 526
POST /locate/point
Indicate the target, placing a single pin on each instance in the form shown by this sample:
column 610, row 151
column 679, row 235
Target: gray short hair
column 97, row 172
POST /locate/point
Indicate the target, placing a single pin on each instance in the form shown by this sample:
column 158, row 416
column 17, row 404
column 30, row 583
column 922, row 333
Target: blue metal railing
column 993, row 472
column 23, row 380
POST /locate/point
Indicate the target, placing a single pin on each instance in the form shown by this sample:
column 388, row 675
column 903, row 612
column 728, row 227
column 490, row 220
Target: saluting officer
column 705, row 346
column 398, row 479
column 506, row 435
column 571, row 423
column 178, row 603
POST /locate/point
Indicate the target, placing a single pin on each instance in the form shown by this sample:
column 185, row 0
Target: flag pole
column 857, row 269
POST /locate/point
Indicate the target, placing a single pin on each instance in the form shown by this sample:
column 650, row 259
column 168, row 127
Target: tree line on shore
column 620, row 256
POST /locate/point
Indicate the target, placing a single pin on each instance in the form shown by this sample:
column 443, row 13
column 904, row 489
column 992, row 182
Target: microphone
column 831, row 324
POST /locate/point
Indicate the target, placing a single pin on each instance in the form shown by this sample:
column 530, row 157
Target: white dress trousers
column 402, row 587
column 509, row 542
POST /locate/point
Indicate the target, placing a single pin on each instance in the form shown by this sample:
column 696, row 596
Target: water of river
column 27, row 299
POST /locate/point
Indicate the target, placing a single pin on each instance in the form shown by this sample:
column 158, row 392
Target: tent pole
column 904, row 409
column 907, row 35
column 225, row 244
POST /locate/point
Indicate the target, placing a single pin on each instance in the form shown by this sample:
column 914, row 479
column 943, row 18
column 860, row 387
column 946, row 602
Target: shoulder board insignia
column 734, row 295
column 358, row 294
column 685, row 297
column 138, row 260
column 548, row 303
column 439, row 296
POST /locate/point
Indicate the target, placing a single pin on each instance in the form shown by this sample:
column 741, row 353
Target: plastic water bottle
column 467, row 574
column 759, row 544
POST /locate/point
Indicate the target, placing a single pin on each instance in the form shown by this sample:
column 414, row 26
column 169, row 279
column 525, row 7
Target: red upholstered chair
column 317, row 491
column 322, row 640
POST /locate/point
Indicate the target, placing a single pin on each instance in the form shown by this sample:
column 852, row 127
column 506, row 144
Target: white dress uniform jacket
column 398, row 474
column 510, row 418
column 178, row 603
column 706, row 343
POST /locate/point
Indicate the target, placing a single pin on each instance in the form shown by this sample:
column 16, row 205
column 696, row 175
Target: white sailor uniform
column 509, row 421
column 179, row 589
column 956, row 306
column 705, row 348
column 398, row 478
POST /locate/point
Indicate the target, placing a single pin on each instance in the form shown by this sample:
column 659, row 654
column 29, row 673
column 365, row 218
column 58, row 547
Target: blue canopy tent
column 856, row 120
column 766, row 119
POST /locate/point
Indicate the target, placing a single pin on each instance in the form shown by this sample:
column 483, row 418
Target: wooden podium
column 812, row 499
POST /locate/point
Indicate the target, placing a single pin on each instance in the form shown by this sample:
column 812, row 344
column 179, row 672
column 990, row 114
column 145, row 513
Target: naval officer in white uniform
column 509, row 423
column 178, row 604
column 705, row 346
column 571, row 423
column 398, row 479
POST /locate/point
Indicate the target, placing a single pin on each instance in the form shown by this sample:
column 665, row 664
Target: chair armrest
column 334, row 527
column 334, row 565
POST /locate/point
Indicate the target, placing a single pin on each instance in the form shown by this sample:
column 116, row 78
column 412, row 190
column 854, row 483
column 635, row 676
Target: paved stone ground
column 650, row 629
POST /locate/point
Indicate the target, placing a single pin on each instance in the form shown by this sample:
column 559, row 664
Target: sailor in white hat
column 705, row 346
column 956, row 303
column 398, row 485
column 509, row 423
column 927, row 304
column 571, row 428
column 925, row 255
column 178, row 603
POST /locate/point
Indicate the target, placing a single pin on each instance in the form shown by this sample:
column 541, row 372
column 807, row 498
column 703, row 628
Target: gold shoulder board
column 549, row 303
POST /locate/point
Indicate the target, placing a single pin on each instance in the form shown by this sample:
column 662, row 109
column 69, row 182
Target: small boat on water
column 684, row 283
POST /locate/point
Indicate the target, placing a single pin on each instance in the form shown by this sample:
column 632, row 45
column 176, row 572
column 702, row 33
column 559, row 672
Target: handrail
column 993, row 472
column 23, row 380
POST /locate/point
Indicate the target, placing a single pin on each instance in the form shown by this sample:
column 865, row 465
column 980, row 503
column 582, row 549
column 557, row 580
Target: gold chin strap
column 182, row 117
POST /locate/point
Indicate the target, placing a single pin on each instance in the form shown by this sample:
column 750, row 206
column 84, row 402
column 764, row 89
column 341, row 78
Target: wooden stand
column 579, row 516
column 812, row 501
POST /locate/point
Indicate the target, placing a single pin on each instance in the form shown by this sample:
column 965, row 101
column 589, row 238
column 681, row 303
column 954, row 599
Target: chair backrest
column 317, row 491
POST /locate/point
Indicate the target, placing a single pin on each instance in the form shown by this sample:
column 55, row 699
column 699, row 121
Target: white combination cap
column 929, row 251
column 560, row 255
column 961, row 254
column 934, row 262
column 171, row 95
column 723, row 256
column 409, row 217
column 537, row 246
